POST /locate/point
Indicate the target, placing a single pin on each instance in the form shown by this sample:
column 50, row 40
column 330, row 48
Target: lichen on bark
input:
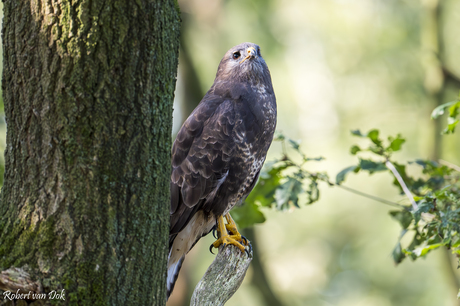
column 88, row 90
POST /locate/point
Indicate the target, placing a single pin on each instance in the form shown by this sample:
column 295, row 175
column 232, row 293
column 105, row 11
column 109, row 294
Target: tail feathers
column 173, row 273
column 182, row 242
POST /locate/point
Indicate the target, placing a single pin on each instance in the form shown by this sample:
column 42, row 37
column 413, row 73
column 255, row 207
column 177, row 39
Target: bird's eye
column 236, row 55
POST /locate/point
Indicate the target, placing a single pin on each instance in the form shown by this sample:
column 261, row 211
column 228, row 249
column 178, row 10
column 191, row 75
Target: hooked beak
column 251, row 53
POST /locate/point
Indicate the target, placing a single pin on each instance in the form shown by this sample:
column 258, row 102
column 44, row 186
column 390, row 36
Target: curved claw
column 210, row 249
column 250, row 247
column 247, row 252
column 244, row 239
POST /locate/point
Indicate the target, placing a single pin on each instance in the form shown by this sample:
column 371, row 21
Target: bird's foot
column 228, row 234
column 229, row 239
column 231, row 228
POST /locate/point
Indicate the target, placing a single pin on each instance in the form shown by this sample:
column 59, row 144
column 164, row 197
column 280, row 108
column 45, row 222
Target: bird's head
column 243, row 63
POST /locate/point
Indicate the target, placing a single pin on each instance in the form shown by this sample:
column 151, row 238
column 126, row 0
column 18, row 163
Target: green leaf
column 263, row 193
column 451, row 124
column 422, row 251
column 313, row 192
column 373, row 135
column 279, row 137
column 342, row 174
column 423, row 207
column 403, row 217
column 439, row 111
column 288, row 193
column 247, row 215
column 294, row 144
column 372, row 166
column 354, row 149
column 454, row 109
column 357, row 133
column 398, row 254
column 395, row 144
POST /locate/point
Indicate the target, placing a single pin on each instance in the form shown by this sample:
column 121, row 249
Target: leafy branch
column 432, row 218
column 453, row 108
column 286, row 184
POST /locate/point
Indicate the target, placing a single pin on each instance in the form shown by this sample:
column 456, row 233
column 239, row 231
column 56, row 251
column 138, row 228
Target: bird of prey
column 218, row 154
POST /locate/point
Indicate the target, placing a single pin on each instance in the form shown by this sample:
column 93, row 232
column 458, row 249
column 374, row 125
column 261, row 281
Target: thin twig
column 366, row 195
column 450, row 165
column 401, row 182
column 370, row 196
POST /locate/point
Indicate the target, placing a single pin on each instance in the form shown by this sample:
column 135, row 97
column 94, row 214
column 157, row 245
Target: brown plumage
column 220, row 149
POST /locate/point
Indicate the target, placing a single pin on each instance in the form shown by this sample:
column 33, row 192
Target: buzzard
column 218, row 154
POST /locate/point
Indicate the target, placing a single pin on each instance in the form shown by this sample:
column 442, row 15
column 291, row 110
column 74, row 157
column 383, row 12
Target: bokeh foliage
column 337, row 65
column 435, row 221
column 284, row 183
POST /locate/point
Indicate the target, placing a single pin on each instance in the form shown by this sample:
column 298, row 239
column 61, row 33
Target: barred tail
column 173, row 273
column 182, row 242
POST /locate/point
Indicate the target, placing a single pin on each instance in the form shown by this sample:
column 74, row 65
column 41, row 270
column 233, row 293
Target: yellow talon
column 223, row 231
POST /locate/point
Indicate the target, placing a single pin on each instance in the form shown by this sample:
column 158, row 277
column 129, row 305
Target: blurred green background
column 336, row 65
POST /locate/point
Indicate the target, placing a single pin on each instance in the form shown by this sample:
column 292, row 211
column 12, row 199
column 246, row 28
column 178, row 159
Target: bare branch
column 450, row 165
column 401, row 182
column 223, row 277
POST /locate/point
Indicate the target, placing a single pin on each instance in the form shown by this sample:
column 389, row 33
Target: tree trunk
column 88, row 89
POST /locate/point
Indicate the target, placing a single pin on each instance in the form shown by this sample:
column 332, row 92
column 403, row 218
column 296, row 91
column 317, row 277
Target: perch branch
column 223, row 277
column 15, row 279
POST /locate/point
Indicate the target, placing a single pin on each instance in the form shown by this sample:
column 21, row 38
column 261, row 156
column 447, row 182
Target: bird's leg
column 225, row 238
column 231, row 228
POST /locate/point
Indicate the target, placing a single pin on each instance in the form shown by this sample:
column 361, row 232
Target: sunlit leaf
column 395, row 144
column 451, row 124
column 373, row 135
column 454, row 109
column 355, row 149
column 423, row 207
column 247, row 215
column 439, row 111
column 422, row 251
column 342, row 174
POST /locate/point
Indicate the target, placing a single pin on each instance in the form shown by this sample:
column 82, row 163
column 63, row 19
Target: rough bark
column 88, row 89
column 223, row 277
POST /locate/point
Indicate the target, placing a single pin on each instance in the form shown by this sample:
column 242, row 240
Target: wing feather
column 200, row 157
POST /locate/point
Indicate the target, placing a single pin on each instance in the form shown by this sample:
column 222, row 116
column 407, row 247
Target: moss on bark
column 88, row 89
